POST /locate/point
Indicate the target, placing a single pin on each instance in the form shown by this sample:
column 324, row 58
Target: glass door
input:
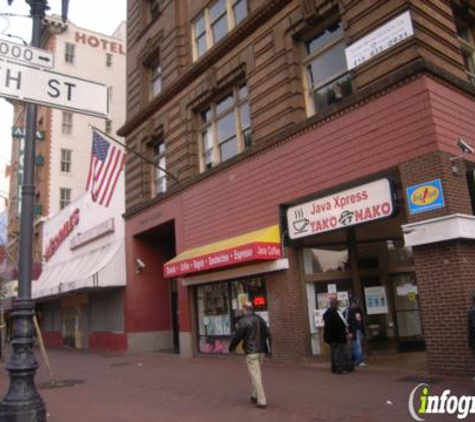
column 406, row 309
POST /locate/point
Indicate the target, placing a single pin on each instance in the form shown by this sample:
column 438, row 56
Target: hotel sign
column 361, row 204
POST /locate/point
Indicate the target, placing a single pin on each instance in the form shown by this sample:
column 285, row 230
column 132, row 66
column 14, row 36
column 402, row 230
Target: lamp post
column 22, row 403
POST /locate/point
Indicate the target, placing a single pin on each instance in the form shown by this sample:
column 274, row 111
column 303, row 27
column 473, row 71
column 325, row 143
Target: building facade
column 313, row 149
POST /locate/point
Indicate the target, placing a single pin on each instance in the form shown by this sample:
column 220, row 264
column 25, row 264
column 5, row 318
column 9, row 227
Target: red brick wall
column 107, row 341
column 53, row 339
column 287, row 313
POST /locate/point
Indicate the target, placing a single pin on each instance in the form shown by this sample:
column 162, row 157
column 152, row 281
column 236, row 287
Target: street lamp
column 22, row 403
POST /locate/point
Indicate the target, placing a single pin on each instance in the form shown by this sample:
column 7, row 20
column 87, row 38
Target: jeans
column 356, row 348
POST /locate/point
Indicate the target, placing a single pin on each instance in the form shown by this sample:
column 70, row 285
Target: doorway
column 175, row 316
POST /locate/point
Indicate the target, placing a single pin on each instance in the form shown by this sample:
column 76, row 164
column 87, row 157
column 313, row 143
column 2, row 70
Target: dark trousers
column 339, row 358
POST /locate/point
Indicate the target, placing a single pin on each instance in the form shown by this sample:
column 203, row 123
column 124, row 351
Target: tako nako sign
column 55, row 242
column 358, row 205
column 239, row 254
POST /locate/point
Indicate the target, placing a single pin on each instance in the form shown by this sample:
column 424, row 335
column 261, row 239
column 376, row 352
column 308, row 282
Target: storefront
column 351, row 245
column 224, row 275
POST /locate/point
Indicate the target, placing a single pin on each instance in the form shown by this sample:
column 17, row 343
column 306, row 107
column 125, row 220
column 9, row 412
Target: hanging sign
column 362, row 204
column 424, row 197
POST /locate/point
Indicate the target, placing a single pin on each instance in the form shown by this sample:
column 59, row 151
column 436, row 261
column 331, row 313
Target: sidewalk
column 162, row 388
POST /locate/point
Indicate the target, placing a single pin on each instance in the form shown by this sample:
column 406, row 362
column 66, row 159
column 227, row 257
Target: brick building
column 311, row 150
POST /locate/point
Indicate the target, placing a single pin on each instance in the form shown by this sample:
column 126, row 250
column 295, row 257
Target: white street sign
column 26, row 54
column 44, row 87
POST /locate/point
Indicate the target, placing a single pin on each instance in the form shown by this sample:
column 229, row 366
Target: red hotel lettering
column 373, row 212
column 55, row 242
column 92, row 41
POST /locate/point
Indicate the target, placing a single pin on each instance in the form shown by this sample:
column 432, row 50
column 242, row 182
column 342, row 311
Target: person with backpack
column 336, row 332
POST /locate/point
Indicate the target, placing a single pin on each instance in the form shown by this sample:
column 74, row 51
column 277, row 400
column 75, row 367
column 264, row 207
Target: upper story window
column 155, row 79
column 64, row 197
column 153, row 8
column 67, row 123
column 467, row 46
column 66, row 160
column 108, row 126
column 215, row 22
column 69, row 52
column 108, row 60
column 326, row 69
column 159, row 176
column 225, row 128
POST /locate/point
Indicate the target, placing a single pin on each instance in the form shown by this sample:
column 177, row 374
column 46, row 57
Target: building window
column 67, row 124
column 225, row 128
column 326, row 70
column 467, row 47
column 159, row 176
column 64, row 197
column 155, row 78
column 215, row 22
column 108, row 126
column 69, row 52
column 108, row 60
column 219, row 308
column 153, row 8
column 66, row 160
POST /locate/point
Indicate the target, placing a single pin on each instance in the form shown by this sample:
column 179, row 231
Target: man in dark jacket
column 252, row 330
column 354, row 317
column 335, row 334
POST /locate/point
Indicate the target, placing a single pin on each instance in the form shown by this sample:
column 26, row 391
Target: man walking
column 335, row 334
column 252, row 330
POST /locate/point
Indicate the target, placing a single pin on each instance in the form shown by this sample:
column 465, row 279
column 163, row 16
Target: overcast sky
column 103, row 16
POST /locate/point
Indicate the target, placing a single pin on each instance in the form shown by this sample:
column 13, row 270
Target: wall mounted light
column 466, row 149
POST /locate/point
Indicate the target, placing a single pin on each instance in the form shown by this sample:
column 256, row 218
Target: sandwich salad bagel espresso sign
column 361, row 204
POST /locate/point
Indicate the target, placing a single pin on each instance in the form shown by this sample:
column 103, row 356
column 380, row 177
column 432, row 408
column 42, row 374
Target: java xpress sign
column 358, row 205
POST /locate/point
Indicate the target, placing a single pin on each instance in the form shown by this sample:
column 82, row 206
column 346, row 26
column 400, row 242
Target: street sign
column 45, row 87
column 26, row 54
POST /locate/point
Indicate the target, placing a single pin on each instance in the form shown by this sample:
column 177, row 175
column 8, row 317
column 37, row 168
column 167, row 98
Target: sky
column 103, row 16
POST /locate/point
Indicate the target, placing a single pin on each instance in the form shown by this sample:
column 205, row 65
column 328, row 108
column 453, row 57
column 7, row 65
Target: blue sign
column 425, row 197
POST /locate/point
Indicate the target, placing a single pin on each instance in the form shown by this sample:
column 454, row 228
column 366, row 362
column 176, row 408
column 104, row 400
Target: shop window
column 159, row 176
column 466, row 38
column 64, row 197
column 323, row 260
column 69, row 52
column 219, row 309
column 326, row 70
column 225, row 128
column 215, row 22
column 399, row 254
column 66, row 160
column 67, row 123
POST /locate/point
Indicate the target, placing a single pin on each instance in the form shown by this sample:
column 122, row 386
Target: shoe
column 342, row 372
column 261, row 406
column 362, row 364
column 253, row 400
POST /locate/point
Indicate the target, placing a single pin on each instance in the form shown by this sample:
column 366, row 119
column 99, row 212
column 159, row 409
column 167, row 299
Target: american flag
column 107, row 162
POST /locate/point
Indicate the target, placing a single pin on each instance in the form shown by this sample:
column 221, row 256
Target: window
column 467, row 47
column 108, row 126
column 67, row 124
column 326, row 69
column 69, row 52
column 66, row 160
column 225, row 128
column 108, row 60
column 219, row 308
column 159, row 177
column 215, row 22
column 153, row 8
column 155, row 79
column 64, row 197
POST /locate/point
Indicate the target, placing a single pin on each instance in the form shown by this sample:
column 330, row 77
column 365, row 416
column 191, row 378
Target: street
column 112, row 387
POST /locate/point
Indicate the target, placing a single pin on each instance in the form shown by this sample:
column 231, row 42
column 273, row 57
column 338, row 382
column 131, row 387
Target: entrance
column 175, row 316
column 381, row 275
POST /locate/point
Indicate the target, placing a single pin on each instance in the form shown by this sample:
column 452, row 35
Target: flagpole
column 148, row 161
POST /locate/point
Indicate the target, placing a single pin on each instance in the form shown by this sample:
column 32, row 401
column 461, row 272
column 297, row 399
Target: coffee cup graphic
column 300, row 225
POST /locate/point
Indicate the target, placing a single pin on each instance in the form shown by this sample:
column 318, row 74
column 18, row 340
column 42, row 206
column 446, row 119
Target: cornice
column 241, row 32
column 399, row 78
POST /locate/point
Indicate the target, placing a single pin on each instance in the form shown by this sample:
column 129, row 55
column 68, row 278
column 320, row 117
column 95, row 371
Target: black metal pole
column 22, row 402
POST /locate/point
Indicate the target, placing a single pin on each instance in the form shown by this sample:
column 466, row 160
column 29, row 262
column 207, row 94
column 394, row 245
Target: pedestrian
column 336, row 332
column 252, row 330
column 471, row 326
column 355, row 321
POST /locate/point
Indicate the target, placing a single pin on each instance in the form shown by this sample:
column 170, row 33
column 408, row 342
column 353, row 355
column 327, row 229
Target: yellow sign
column 425, row 195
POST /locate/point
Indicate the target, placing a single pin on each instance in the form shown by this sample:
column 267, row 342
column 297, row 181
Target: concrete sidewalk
column 162, row 388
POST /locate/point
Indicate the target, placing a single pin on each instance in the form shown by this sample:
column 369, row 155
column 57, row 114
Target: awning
column 258, row 245
column 96, row 268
